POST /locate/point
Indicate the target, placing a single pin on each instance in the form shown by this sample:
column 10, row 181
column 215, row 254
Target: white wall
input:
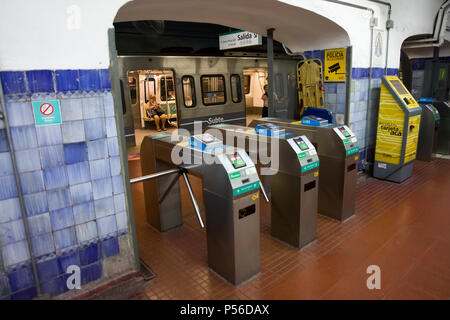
column 411, row 17
column 37, row 34
column 43, row 34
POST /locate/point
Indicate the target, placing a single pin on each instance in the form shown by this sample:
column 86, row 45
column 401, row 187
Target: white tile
column 15, row 253
column 86, row 231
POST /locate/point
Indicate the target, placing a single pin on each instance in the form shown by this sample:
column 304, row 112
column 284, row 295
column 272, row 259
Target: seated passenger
column 153, row 110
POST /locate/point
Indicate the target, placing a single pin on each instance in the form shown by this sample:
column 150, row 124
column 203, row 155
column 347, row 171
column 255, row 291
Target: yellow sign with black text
column 334, row 68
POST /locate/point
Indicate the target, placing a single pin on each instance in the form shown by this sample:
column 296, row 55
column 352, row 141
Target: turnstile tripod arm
column 181, row 171
column 264, row 192
column 154, row 175
column 194, row 202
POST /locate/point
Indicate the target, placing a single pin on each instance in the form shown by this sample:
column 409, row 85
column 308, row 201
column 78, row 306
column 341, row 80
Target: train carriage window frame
column 247, row 83
column 133, row 89
column 152, row 82
column 222, row 77
column 279, row 86
column 162, row 86
column 193, row 94
column 238, row 88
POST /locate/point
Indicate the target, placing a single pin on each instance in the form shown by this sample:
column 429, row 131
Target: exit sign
column 238, row 39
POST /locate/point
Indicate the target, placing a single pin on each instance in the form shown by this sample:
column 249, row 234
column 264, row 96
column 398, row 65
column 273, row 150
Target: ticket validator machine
column 428, row 132
column 293, row 183
column 231, row 205
column 337, row 148
column 397, row 131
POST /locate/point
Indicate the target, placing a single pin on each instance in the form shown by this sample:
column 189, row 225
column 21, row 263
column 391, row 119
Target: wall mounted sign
column 334, row 67
column 46, row 112
column 238, row 39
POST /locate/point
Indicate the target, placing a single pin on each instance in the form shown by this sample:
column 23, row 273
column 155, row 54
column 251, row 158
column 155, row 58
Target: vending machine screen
column 399, row 87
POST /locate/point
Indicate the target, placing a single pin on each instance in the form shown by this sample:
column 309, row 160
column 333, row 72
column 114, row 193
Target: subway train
column 207, row 89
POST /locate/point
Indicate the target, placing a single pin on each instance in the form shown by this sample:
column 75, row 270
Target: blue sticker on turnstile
column 194, row 143
column 160, row 135
column 271, row 130
column 315, row 121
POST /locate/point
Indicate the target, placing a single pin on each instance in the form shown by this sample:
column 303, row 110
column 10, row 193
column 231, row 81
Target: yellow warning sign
column 334, row 68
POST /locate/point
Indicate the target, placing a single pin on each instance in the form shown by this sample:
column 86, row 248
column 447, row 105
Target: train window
column 247, row 80
column 236, row 93
column 149, row 87
column 170, row 88
column 279, row 85
column 188, row 91
column 213, row 89
column 132, row 84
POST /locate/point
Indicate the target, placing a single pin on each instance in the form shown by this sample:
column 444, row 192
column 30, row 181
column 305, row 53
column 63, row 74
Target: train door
column 129, row 90
column 142, row 84
column 285, row 89
column 255, row 79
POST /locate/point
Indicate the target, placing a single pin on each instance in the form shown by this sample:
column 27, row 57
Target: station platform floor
column 402, row 228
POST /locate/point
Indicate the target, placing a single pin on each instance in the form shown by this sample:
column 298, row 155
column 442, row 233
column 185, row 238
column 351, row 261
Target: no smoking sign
column 46, row 112
column 46, row 109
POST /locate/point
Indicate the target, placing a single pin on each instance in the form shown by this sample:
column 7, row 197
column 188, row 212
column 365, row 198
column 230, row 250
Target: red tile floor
column 402, row 228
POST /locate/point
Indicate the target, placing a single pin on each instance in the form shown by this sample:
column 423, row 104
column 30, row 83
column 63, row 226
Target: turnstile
column 428, row 133
column 443, row 144
column 231, row 205
column 337, row 148
column 292, row 175
column 397, row 131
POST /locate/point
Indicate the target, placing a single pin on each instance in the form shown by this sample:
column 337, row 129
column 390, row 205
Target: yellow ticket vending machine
column 397, row 131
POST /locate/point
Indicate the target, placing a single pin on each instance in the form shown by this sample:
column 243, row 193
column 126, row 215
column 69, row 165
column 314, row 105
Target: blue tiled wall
column 363, row 115
column 71, row 181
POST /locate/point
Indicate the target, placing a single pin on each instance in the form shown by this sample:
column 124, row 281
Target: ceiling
column 297, row 28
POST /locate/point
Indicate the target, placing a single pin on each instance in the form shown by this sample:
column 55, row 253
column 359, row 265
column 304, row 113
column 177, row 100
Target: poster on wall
column 378, row 48
column 335, row 68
